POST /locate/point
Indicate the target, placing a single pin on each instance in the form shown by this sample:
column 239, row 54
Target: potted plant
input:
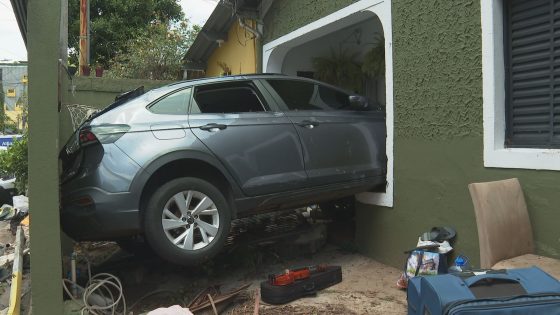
column 85, row 70
column 340, row 68
column 99, row 70
column 374, row 60
column 72, row 69
column 99, row 67
column 226, row 70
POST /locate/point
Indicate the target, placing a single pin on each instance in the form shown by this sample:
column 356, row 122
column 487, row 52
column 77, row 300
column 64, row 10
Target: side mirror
column 358, row 102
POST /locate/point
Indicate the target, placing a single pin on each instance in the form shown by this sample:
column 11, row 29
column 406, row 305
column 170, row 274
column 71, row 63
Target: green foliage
column 340, row 69
column 374, row 60
column 13, row 161
column 2, row 96
column 7, row 125
column 157, row 54
column 114, row 22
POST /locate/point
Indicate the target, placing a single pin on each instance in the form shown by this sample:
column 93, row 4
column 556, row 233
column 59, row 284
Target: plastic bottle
column 461, row 264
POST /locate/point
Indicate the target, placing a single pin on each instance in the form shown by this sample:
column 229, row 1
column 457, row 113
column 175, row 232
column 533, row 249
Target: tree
column 114, row 22
column 2, row 101
column 13, row 161
column 157, row 53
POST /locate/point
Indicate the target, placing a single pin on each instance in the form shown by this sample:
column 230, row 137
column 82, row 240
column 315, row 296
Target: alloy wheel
column 190, row 220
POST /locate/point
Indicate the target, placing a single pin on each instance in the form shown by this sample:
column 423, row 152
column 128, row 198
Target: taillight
column 102, row 133
column 87, row 137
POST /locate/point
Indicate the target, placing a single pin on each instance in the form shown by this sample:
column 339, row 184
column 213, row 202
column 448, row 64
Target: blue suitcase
column 514, row 291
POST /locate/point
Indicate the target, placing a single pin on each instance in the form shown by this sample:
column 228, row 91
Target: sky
column 11, row 43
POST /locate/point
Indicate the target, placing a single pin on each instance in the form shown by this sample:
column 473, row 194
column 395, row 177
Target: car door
column 251, row 137
column 339, row 144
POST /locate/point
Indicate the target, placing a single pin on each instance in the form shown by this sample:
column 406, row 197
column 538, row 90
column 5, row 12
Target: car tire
column 190, row 235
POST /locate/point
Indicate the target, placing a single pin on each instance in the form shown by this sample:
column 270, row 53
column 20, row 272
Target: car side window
column 302, row 95
column 223, row 98
column 173, row 104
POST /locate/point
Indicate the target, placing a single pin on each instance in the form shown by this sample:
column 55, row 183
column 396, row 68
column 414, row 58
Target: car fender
column 144, row 175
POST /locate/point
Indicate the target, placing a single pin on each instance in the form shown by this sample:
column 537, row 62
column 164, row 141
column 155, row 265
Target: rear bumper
column 91, row 214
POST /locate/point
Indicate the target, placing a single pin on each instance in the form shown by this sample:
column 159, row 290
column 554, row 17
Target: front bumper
column 91, row 214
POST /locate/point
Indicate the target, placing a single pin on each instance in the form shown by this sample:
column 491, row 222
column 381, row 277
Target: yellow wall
column 15, row 115
column 238, row 52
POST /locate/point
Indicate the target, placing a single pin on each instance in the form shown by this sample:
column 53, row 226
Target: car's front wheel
column 187, row 221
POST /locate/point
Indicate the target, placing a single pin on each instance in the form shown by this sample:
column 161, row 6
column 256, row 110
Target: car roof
column 231, row 78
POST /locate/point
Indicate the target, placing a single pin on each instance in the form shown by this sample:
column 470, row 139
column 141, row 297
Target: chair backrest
column 504, row 228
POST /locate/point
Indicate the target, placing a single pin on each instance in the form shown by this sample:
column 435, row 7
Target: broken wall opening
column 352, row 33
column 348, row 52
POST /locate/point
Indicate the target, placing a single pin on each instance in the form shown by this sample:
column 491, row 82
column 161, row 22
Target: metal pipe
column 249, row 29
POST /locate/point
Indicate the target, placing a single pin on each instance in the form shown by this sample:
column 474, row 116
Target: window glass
column 226, row 98
column 334, row 98
column 302, row 95
column 174, row 104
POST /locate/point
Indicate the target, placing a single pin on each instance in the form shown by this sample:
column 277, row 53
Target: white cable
column 99, row 288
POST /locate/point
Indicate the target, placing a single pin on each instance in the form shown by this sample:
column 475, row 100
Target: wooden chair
column 505, row 235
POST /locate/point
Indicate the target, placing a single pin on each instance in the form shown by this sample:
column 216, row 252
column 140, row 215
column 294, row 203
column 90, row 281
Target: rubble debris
column 172, row 310
column 6, row 259
column 7, row 212
column 17, row 273
column 257, row 302
column 21, row 203
column 212, row 301
column 98, row 296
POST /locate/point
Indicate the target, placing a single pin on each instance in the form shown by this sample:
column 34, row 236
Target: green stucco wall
column 438, row 130
column 98, row 93
column 285, row 16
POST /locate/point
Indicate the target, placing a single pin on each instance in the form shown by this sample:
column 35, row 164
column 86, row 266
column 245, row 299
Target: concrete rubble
column 149, row 284
column 15, row 279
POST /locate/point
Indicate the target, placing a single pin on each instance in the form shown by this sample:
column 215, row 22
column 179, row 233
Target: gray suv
column 177, row 164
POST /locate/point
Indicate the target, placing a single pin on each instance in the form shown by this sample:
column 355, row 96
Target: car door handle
column 213, row 127
column 308, row 124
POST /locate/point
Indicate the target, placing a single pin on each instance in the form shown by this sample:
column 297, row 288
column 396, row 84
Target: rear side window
column 237, row 97
column 302, row 95
column 173, row 104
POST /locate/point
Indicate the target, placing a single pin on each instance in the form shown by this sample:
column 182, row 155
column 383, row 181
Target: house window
column 532, row 80
column 520, row 94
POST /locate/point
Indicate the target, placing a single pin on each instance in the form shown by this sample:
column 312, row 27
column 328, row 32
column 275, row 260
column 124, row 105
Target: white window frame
column 275, row 52
column 494, row 105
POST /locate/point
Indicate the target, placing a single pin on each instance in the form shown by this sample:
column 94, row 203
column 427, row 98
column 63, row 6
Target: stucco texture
column 438, row 137
column 285, row 16
column 438, row 147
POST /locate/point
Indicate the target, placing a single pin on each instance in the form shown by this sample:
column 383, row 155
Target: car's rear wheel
column 187, row 221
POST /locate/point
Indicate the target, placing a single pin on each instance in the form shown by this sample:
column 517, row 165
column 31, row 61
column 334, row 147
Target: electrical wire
column 100, row 286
